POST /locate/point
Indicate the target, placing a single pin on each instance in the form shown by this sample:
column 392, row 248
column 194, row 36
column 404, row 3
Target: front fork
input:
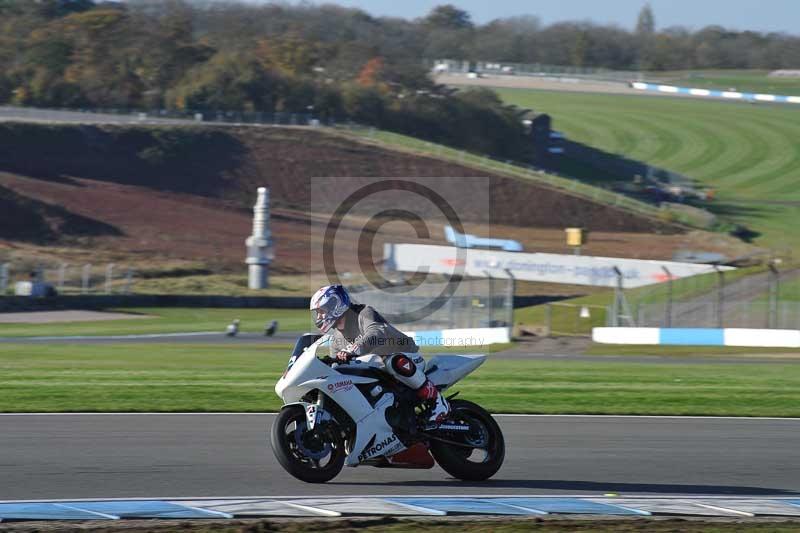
column 316, row 413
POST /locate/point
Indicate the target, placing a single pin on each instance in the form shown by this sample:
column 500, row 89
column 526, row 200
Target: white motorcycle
column 357, row 414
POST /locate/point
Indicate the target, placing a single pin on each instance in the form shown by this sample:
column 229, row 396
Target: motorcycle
column 356, row 414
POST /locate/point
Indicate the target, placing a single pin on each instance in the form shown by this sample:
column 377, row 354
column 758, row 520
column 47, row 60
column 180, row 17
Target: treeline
column 334, row 62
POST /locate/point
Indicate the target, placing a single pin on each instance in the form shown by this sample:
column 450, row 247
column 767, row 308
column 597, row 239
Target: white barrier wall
column 753, row 338
column 626, row 335
column 460, row 337
column 733, row 95
column 549, row 268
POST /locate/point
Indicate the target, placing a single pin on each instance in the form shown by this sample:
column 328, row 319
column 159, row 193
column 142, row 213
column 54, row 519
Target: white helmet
column 328, row 305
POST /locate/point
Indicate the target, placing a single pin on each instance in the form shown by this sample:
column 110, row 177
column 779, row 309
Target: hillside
column 151, row 194
column 749, row 154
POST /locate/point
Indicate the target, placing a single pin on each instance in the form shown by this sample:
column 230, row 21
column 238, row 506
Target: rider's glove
column 343, row 356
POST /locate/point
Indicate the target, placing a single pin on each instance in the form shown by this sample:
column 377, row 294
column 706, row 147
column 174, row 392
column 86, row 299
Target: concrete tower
column 259, row 244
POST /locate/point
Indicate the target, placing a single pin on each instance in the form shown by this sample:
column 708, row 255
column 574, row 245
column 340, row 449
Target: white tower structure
column 259, row 245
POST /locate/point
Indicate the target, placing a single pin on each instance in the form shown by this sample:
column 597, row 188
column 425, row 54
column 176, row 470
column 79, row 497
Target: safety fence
column 745, row 299
column 465, row 303
column 767, row 299
column 706, row 314
column 532, row 69
column 63, row 278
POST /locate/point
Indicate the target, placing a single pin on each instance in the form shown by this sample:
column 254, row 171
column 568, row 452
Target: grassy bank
column 750, row 154
column 162, row 377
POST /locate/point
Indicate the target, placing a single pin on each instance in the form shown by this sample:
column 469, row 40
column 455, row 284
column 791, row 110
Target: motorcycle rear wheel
column 471, row 464
column 300, row 452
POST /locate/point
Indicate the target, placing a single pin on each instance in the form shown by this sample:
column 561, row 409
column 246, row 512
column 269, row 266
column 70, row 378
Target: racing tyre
column 309, row 456
column 484, row 458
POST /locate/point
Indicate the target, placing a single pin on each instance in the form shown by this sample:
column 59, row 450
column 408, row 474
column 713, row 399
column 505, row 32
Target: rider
column 361, row 330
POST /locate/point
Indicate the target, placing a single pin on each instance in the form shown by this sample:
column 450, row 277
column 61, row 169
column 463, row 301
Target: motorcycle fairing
column 374, row 435
column 307, row 373
column 445, row 370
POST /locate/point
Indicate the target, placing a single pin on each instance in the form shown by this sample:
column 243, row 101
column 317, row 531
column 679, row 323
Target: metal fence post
column 669, row 296
column 548, row 319
column 62, row 275
column 86, row 278
column 471, row 305
column 491, row 298
column 511, row 289
column 109, row 277
column 615, row 322
column 720, row 296
column 4, row 274
column 128, row 281
column 774, row 290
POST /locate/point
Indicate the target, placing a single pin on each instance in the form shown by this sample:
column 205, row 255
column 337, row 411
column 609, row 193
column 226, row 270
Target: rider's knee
column 408, row 368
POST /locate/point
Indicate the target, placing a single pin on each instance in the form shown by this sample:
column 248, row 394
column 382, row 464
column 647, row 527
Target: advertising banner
column 548, row 268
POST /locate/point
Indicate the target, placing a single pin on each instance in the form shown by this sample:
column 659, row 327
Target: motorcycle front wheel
column 482, row 449
column 306, row 455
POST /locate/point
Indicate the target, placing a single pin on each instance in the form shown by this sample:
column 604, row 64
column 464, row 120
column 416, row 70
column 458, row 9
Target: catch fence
column 468, row 303
column 65, row 278
column 767, row 299
column 764, row 299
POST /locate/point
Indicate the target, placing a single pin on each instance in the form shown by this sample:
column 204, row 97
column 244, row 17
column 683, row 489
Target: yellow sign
column 575, row 236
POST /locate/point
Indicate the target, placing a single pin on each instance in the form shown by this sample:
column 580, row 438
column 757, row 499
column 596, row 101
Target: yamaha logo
column 340, row 386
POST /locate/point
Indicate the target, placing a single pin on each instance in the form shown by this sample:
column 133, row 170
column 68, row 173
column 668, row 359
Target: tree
column 449, row 17
column 228, row 81
column 646, row 23
column 370, row 75
column 290, row 54
column 645, row 29
column 579, row 49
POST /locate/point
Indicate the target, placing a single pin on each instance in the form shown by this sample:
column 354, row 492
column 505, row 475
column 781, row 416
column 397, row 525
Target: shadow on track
column 590, row 486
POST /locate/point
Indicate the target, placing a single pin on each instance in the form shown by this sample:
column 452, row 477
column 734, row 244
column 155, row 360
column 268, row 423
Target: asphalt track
column 184, row 455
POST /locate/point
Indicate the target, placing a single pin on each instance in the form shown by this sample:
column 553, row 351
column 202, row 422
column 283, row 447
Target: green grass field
column 164, row 377
column 169, row 320
column 755, row 81
column 750, row 154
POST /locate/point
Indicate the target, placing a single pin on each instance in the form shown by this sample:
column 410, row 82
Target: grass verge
column 169, row 320
column 692, row 351
column 240, row 378
column 468, row 524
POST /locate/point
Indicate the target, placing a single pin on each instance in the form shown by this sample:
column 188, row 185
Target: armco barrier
column 731, row 95
column 753, row 338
